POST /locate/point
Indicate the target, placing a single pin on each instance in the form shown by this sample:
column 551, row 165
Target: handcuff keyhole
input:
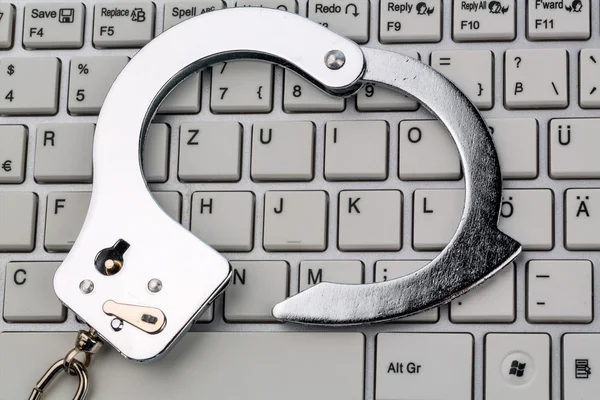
column 109, row 261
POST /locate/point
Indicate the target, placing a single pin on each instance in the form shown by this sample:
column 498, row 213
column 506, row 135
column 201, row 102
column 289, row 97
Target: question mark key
column 536, row 78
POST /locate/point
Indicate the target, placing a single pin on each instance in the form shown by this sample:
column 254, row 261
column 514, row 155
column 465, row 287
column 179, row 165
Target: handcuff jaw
column 132, row 255
column 478, row 248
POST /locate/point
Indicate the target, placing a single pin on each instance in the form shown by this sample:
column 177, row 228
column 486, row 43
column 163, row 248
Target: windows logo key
column 517, row 369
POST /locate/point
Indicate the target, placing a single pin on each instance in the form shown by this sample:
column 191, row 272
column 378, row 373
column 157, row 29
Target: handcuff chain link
column 87, row 343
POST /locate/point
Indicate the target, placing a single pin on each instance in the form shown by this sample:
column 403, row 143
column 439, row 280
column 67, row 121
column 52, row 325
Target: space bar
column 215, row 366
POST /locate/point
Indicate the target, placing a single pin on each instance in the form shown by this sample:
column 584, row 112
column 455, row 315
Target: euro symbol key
column 7, row 165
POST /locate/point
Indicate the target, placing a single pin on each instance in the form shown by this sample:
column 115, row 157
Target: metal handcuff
column 140, row 280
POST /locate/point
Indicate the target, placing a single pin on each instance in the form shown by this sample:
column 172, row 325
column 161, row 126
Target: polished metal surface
column 392, row 182
column 122, row 208
column 77, row 369
column 477, row 250
column 123, row 211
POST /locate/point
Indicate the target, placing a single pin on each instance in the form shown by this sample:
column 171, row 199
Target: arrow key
column 348, row 18
column 13, row 144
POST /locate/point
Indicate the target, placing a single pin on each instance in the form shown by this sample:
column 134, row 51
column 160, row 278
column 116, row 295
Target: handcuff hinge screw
column 335, row 59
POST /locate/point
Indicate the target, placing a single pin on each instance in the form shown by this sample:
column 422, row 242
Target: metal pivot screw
column 116, row 324
column 86, row 286
column 154, row 285
column 335, row 59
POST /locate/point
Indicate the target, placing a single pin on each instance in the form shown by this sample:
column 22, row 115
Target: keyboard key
column 589, row 78
column 283, row 151
column 284, row 5
column 427, row 151
column 185, row 98
column 255, row 288
column 29, row 85
column 224, row 220
column 516, row 142
column 54, row 25
column 356, row 150
column 13, row 147
column 410, row 21
column 424, row 366
column 176, row 12
column 207, row 316
column 559, row 291
column 479, row 21
column 536, row 78
column 528, row 216
column 558, row 20
column 378, row 98
column 388, row 270
column 65, row 214
column 241, row 86
column 18, row 217
column 90, row 79
column 344, row 17
column 295, row 221
column 493, row 301
column 170, row 202
column 339, row 271
column 572, row 145
column 123, row 24
column 370, row 220
column 436, row 214
column 580, row 355
column 581, row 224
column 63, row 153
column 299, row 95
column 210, row 151
column 7, row 20
column 327, row 366
column 471, row 71
column 29, row 294
column 517, row 366
column 156, row 153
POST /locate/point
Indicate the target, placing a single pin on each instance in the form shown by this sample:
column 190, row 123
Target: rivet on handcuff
column 140, row 280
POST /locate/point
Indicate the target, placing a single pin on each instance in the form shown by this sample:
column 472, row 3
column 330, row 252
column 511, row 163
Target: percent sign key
column 83, row 69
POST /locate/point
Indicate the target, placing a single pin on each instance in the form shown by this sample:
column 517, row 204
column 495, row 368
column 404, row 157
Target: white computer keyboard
column 296, row 187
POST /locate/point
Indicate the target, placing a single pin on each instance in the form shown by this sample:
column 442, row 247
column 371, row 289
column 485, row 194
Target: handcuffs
column 140, row 280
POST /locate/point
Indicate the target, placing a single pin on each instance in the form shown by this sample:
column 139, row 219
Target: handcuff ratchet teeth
column 147, row 266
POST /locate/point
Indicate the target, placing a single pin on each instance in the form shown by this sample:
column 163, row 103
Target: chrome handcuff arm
column 154, row 248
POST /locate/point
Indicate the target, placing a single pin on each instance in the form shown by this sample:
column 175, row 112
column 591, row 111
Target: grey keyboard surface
column 295, row 187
